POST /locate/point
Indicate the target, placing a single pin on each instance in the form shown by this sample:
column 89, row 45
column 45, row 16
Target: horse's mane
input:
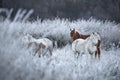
column 98, row 49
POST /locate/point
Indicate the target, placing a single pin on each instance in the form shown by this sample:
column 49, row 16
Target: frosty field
column 18, row 63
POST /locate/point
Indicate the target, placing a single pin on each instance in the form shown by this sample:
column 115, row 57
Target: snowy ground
column 17, row 63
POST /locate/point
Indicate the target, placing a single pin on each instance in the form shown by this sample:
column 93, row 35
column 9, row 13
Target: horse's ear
column 98, row 33
column 73, row 29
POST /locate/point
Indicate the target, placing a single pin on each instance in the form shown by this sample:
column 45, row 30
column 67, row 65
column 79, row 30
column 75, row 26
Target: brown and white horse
column 75, row 35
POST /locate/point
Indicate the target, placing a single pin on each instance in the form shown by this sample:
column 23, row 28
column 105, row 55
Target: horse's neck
column 99, row 37
column 76, row 34
column 33, row 40
column 88, row 41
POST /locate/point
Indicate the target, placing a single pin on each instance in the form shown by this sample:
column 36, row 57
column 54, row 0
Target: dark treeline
column 72, row 9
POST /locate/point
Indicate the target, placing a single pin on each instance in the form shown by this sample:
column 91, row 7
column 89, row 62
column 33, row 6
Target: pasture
column 18, row 63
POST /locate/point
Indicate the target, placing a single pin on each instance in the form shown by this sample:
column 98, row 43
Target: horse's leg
column 35, row 52
column 98, row 48
column 99, row 53
column 50, row 50
column 35, row 49
column 96, row 54
column 77, row 54
column 91, row 53
column 40, row 53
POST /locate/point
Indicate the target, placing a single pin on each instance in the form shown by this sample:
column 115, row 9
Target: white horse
column 89, row 45
column 41, row 45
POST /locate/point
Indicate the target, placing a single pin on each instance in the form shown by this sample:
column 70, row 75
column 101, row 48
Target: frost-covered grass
column 18, row 63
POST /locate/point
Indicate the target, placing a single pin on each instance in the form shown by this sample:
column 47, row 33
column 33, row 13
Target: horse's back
column 78, row 43
column 48, row 41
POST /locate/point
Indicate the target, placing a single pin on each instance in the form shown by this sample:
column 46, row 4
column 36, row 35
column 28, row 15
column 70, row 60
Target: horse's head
column 94, row 38
column 72, row 33
column 28, row 38
column 97, row 34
